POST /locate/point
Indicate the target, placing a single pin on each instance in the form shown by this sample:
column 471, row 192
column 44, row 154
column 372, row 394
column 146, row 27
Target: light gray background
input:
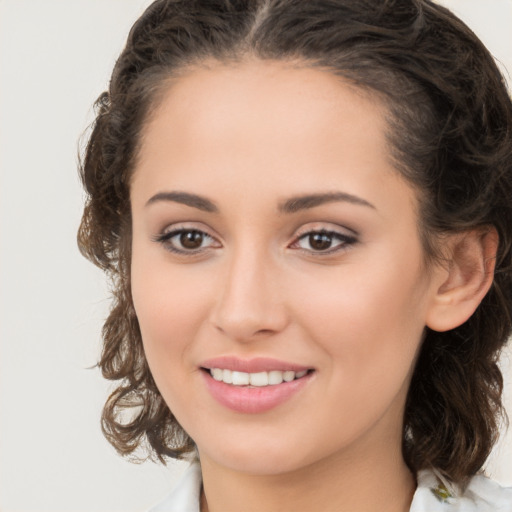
column 55, row 58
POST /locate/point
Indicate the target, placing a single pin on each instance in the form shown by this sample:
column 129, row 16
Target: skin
column 248, row 138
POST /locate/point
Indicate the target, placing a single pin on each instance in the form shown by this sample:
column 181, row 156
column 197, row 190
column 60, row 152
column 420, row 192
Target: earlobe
column 464, row 279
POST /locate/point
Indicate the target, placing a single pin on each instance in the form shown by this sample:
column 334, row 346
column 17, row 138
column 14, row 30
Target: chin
column 257, row 458
column 252, row 464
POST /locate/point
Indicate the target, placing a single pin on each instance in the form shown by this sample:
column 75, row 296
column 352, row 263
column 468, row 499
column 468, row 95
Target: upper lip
column 255, row 365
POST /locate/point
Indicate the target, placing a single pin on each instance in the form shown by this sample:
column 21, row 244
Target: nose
column 250, row 304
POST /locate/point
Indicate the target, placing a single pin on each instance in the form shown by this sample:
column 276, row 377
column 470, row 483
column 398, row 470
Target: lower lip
column 253, row 400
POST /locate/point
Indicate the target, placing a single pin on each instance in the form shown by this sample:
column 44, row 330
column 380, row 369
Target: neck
column 374, row 480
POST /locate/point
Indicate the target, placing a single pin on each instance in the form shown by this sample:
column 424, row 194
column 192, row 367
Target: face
column 277, row 271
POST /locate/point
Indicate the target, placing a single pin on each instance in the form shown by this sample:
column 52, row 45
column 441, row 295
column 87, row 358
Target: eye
column 186, row 241
column 324, row 241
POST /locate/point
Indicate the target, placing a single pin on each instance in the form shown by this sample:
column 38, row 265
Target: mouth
column 256, row 379
column 254, row 386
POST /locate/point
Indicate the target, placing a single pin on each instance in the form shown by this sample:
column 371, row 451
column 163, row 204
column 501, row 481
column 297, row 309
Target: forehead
column 276, row 125
column 263, row 79
column 214, row 94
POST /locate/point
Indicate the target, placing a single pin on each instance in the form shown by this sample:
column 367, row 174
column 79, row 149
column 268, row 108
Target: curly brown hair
column 450, row 120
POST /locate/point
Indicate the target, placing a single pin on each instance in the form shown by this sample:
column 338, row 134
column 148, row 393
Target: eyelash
column 345, row 241
column 166, row 240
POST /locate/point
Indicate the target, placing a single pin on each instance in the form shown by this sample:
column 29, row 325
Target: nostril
column 264, row 331
column 244, row 331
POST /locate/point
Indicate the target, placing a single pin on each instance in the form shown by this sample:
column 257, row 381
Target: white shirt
column 481, row 495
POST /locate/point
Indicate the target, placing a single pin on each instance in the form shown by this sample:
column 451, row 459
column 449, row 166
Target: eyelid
column 326, row 227
column 347, row 239
column 185, row 226
column 165, row 236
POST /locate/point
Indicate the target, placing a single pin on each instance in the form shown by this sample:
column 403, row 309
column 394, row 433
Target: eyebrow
column 292, row 205
column 193, row 200
column 295, row 204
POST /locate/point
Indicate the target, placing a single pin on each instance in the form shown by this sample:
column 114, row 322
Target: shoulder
column 481, row 495
column 186, row 494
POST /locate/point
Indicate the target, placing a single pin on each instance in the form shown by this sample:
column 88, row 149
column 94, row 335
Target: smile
column 259, row 379
column 254, row 386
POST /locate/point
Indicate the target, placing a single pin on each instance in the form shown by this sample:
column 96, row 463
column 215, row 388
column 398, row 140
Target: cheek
column 369, row 331
column 369, row 316
column 170, row 308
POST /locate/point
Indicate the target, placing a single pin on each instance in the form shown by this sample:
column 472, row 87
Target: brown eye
column 320, row 241
column 324, row 242
column 187, row 241
column 191, row 239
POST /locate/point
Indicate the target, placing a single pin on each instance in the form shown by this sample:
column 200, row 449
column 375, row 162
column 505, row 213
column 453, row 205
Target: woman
column 305, row 209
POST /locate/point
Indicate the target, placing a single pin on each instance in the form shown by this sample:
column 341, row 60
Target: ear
column 464, row 278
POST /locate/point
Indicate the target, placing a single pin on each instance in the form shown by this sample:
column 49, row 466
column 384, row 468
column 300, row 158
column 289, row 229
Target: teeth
column 288, row 376
column 217, row 373
column 275, row 377
column 239, row 378
column 259, row 379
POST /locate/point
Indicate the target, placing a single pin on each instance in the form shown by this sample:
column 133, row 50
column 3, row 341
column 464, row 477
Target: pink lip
column 249, row 399
column 258, row 364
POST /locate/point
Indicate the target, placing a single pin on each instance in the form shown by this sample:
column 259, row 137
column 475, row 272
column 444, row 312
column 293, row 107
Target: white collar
column 481, row 494
column 185, row 495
